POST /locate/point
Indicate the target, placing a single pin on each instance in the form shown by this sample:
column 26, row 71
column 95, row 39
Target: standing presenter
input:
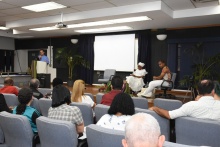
column 43, row 57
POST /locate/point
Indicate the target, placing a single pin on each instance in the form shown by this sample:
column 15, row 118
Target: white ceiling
column 165, row 14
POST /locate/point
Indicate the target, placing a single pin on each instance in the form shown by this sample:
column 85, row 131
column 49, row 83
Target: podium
column 42, row 73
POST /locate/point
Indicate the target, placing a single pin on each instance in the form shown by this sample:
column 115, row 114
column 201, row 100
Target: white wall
column 22, row 57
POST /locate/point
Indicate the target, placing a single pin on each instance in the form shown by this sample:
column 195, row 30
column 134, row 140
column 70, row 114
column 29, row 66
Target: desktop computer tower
column 44, row 80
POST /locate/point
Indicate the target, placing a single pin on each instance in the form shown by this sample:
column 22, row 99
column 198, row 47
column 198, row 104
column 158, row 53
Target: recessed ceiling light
column 130, row 19
column 44, row 7
column 44, row 29
column 3, row 28
column 119, row 28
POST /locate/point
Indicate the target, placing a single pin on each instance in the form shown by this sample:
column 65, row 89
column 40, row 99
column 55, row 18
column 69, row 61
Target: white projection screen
column 114, row 52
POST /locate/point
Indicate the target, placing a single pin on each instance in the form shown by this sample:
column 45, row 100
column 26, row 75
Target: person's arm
column 80, row 128
column 35, row 115
column 161, row 112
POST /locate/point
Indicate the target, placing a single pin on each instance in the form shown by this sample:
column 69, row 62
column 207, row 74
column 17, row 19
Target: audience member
column 3, row 104
column 8, row 87
column 205, row 107
column 142, row 130
column 25, row 97
column 78, row 94
column 135, row 80
column 62, row 111
column 116, row 84
column 165, row 75
column 120, row 111
column 34, row 85
column 57, row 81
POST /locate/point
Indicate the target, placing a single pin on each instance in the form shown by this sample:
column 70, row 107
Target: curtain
column 86, row 49
column 144, row 52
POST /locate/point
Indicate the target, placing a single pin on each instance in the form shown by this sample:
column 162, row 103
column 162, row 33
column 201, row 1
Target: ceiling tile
column 2, row 14
column 93, row 6
column 206, row 4
column 31, row 15
column 9, row 18
column 183, row 4
column 58, row 11
column 14, row 11
column 6, row 6
column 76, row 2
column 24, row 2
column 129, row 2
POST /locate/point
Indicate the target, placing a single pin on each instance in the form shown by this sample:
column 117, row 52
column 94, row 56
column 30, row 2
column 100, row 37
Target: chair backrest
column 11, row 99
column 140, row 102
column 173, row 78
column 44, row 91
column 44, row 105
column 86, row 111
column 171, row 144
column 108, row 73
column 167, row 104
column 17, row 130
column 91, row 96
column 99, row 97
column 163, row 122
column 100, row 110
column 56, row 133
column 194, row 131
column 101, row 137
column 35, row 104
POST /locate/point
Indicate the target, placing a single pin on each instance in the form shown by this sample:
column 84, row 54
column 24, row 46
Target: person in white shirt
column 204, row 107
column 135, row 80
column 142, row 130
column 78, row 94
column 157, row 80
column 119, row 113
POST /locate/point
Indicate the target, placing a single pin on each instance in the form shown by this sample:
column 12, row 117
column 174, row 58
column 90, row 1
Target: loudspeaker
column 44, row 80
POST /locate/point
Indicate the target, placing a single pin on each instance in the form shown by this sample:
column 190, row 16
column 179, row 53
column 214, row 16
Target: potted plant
column 67, row 56
column 203, row 67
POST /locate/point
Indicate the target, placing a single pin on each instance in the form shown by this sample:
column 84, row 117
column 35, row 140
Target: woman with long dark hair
column 121, row 109
column 25, row 97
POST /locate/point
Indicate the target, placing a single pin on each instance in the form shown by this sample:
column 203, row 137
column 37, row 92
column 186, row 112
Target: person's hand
column 11, row 107
column 154, row 77
column 151, row 108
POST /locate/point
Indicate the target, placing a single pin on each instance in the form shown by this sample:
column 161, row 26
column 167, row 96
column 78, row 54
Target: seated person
column 8, row 87
column 204, row 107
column 34, row 85
column 116, row 84
column 217, row 91
column 57, row 81
column 120, row 111
column 165, row 75
column 135, row 80
column 78, row 94
column 143, row 130
column 3, row 104
column 62, row 111
column 25, row 97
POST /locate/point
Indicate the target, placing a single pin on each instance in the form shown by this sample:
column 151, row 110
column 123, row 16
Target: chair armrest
column 111, row 77
column 170, row 82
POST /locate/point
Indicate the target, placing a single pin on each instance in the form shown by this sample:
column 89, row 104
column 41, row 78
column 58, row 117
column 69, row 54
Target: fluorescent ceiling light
column 44, row 29
column 119, row 28
column 3, row 28
column 89, row 24
column 44, row 7
column 130, row 19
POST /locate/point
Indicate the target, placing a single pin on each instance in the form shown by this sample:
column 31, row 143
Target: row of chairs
column 18, row 132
